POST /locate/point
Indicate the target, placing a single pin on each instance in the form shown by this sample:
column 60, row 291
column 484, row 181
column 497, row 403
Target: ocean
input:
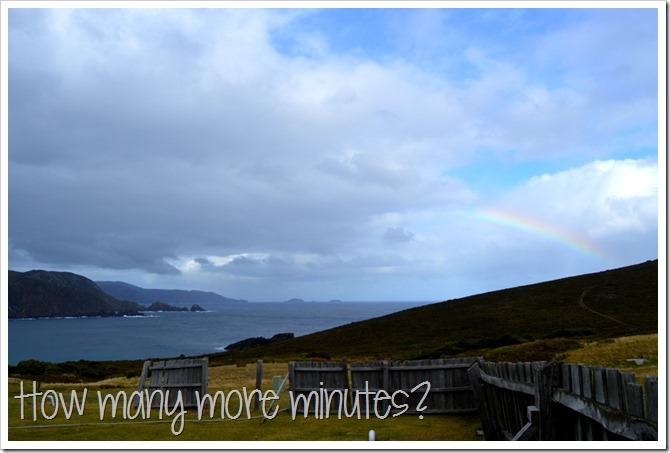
column 169, row 334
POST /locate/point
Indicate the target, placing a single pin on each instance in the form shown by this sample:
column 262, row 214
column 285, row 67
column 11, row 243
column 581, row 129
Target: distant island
column 49, row 294
column 296, row 300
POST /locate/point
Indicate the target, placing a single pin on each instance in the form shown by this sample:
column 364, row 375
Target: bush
column 29, row 368
column 79, row 371
column 318, row 355
column 570, row 332
column 535, row 351
column 464, row 345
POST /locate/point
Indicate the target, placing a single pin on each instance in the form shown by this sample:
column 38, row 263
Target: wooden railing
column 561, row 401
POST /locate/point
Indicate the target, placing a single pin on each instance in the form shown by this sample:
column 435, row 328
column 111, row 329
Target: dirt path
column 581, row 303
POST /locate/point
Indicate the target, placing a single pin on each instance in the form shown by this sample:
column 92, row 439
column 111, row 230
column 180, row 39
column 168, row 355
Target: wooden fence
column 560, row 401
column 187, row 375
column 450, row 389
column 516, row 401
column 306, row 377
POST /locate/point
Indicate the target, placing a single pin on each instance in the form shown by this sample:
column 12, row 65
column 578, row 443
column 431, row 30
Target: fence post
column 345, row 371
column 291, row 375
column 385, row 376
column 259, row 382
column 347, row 384
column 546, row 377
column 474, row 373
column 651, row 399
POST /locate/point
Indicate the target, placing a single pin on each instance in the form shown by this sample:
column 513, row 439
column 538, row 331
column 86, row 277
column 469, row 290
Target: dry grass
column 227, row 377
column 607, row 353
column 91, row 427
column 616, row 353
column 110, row 383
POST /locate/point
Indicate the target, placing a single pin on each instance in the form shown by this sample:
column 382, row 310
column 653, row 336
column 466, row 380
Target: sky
column 356, row 154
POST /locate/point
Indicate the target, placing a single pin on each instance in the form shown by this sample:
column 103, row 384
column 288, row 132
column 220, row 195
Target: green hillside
column 533, row 322
column 43, row 294
column 601, row 305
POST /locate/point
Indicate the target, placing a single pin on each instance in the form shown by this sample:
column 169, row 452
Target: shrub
column 318, row 355
column 30, row 368
column 570, row 332
column 534, row 351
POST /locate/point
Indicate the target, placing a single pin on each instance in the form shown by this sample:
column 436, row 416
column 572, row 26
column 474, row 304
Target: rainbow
column 537, row 228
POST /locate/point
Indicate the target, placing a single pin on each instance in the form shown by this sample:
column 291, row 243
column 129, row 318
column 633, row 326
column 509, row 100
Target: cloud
column 398, row 235
column 622, row 197
column 603, row 207
column 253, row 145
column 239, row 164
column 461, row 253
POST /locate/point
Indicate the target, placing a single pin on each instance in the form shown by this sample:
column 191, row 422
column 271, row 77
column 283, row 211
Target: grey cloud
column 269, row 268
column 317, row 268
column 75, row 250
column 146, row 137
column 243, row 262
column 365, row 169
column 398, row 235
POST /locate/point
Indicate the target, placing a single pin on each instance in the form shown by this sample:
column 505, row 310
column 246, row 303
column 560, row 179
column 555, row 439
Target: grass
column 89, row 427
column 621, row 302
column 619, row 352
column 535, row 322
column 554, row 349
column 612, row 353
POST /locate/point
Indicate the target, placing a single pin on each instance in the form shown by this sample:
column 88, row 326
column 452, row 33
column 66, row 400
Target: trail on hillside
column 581, row 303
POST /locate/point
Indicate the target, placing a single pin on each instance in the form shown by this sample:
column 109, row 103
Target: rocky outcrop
column 258, row 341
column 162, row 306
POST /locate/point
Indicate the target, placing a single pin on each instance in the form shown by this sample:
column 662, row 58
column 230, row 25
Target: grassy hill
column 527, row 323
column 38, row 293
column 601, row 305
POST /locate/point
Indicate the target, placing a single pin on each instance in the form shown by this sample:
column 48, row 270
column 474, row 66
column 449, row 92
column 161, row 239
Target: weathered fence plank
column 185, row 375
column 509, row 385
column 573, row 402
column 530, row 429
column 546, row 377
column 587, row 381
column 488, row 426
column 516, row 401
column 310, row 378
column 613, row 386
column 629, row 427
column 599, row 385
column 651, row 398
column 450, row 390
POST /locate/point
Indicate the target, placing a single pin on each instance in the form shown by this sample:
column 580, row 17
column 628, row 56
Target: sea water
column 170, row 334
